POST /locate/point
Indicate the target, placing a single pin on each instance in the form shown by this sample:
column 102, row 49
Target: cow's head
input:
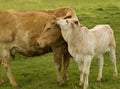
column 51, row 34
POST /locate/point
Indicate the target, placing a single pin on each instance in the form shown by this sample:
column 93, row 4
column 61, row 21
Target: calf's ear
column 81, row 25
column 76, row 22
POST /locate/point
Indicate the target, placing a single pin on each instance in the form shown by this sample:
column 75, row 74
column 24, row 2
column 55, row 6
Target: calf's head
column 68, row 26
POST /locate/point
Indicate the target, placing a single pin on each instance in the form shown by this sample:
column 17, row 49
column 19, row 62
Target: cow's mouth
column 42, row 45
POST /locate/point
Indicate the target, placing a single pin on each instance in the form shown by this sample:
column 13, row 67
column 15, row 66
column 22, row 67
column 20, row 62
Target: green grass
column 39, row 72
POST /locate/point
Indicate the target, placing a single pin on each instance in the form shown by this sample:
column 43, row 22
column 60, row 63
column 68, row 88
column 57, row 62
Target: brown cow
column 19, row 32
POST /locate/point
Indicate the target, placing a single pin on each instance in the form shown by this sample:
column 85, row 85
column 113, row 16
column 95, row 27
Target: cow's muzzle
column 40, row 44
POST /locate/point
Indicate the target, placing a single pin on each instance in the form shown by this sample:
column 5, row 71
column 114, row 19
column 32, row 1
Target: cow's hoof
column 17, row 87
column 1, row 82
column 61, row 82
column 66, row 78
column 14, row 84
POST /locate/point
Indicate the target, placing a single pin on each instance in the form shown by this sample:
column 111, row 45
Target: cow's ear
column 54, row 20
column 67, row 16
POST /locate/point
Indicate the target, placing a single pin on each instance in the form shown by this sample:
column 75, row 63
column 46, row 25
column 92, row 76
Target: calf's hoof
column 99, row 79
column 115, row 74
column 81, row 84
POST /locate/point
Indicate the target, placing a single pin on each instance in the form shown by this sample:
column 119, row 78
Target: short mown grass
column 39, row 72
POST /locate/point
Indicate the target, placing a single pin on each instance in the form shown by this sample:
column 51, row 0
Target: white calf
column 84, row 44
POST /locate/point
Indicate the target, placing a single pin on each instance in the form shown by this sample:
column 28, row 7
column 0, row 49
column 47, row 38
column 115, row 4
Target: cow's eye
column 48, row 29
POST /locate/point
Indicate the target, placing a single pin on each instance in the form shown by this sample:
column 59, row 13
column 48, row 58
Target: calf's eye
column 66, row 21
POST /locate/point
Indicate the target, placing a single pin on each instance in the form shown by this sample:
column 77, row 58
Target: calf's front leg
column 86, row 69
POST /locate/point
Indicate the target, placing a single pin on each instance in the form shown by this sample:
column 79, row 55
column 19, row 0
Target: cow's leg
column 113, row 60
column 6, row 64
column 66, row 64
column 86, row 69
column 1, row 80
column 101, row 62
column 58, row 63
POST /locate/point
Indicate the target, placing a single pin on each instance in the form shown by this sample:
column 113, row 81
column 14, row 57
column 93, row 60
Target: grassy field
column 39, row 72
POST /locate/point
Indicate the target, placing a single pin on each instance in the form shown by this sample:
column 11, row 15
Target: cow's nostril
column 37, row 45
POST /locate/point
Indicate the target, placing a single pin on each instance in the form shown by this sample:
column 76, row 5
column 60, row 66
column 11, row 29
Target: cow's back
column 7, row 25
column 60, row 12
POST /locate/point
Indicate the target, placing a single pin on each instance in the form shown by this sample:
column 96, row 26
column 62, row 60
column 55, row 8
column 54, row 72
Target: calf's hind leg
column 113, row 60
column 100, row 64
